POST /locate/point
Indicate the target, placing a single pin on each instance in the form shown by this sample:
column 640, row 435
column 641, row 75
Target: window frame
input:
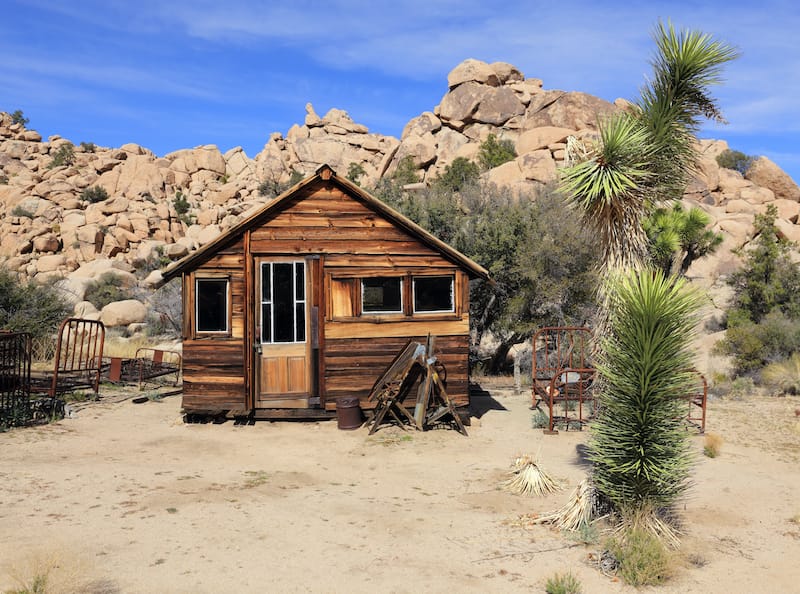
column 452, row 310
column 398, row 312
column 198, row 279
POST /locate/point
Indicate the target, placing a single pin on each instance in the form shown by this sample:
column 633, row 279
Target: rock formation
column 129, row 210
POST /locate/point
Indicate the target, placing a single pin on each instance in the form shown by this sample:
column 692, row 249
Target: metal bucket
column 348, row 413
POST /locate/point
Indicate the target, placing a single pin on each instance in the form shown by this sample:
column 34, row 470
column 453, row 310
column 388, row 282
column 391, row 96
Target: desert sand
column 125, row 497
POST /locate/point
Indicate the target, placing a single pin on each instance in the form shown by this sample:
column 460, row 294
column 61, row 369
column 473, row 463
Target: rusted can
column 348, row 412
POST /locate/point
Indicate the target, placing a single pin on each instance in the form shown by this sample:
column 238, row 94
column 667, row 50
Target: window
column 283, row 302
column 211, row 300
column 433, row 294
column 382, row 295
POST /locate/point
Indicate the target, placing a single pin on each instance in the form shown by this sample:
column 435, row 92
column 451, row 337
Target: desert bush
column 94, row 194
column 563, row 583
column 88, row 147
column 21, row 211
column 457, row 175
column 3, row 179
column 355, row 172
column 735, row 160
column 712, row 444
column 30, row 307
column 64, row 155
column 493, row 152
column 754, row 345
column 643, row 558
column 180, row 204
column 166, row 310
column 107, row 289
column 783, row 376
column 17, row 117
column 540, row 419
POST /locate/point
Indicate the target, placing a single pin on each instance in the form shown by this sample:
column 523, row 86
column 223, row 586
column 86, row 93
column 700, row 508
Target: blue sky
column 177, row 74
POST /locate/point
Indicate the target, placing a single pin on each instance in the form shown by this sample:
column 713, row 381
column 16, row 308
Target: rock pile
column 77, row 214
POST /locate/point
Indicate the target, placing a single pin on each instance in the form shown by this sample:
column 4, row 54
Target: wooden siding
column 353, row 365
column 214, row 367
column 213, row 375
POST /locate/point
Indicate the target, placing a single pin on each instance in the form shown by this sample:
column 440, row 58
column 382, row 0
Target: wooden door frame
column 314, row 323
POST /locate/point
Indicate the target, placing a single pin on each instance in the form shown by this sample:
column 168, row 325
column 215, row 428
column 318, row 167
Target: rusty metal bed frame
column 78, row 360
column 562, row 375
column 15, row 378
column 148, row 364
column 563, row 378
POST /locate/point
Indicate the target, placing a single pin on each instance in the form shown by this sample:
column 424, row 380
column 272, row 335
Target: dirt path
column 126, row 498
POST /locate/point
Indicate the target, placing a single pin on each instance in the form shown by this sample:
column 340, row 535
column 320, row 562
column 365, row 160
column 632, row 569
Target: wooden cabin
column 309, row 299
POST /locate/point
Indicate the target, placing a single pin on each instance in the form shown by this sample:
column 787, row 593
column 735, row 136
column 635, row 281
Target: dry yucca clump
column 528, row 478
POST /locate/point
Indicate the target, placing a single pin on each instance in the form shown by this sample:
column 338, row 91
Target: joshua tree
column 644, row 157
column 645, row 154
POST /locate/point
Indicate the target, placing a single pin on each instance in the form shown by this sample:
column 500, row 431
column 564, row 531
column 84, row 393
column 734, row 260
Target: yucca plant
column 646, row 154
column 638, row 444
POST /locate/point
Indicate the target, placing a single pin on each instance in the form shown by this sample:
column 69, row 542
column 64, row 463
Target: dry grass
column 712, row 445
column 55, row 571
column 578, row 511
column 528, row 478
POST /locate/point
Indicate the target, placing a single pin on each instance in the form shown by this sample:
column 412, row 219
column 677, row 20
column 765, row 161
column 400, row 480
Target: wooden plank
column 336, row 246
column 395, row 328
column 342, row 264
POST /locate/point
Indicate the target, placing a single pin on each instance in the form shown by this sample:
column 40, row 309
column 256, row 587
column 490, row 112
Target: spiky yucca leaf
column 638, row 443
column 605, row 188
column 579, row 510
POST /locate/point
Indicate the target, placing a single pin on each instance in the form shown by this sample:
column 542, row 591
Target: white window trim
column 271, row 300
column 197, row 282
column 434, row 311
column 382, row 312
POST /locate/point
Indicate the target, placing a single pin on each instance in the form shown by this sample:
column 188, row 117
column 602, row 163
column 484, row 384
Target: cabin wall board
column 343, row 239
column 353, row 365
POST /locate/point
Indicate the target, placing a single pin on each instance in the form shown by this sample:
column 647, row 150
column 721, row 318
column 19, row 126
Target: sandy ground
column 126, row 498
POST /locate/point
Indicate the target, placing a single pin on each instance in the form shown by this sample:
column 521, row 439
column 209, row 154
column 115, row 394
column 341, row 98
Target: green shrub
column 19, row 118
column 64, row 155
column 107, row 289
column 180, row 204
column 643, row 559
column 735, row 160
column 30, row 307
column 94, row 194
column 21, row 211
column 355, row 172
column 3, row 180
column 540, row 419
column 563, row 583
column 493, row 153
column 88, row 147
column 458, row 174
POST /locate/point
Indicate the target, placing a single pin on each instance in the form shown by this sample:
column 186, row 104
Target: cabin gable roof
column 298, row 192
